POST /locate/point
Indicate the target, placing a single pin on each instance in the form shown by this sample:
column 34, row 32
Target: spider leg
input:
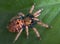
column 44, row 25
column 20, row 13
column 36, row 19
column 13, row 18
column 32, row 8
column 27, row 32
column 37, row 13
column 19, row 33
column 37, row 33
column 18, row 16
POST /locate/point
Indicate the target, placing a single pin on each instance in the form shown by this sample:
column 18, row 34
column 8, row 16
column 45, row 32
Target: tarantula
column 20, row 22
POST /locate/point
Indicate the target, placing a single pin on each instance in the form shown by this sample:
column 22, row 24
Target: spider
column 20, row 22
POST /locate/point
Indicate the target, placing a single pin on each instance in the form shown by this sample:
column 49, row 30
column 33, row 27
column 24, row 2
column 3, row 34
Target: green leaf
column 50, row 15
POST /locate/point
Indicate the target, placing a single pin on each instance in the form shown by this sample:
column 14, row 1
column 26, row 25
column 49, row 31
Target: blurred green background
column 50, row 15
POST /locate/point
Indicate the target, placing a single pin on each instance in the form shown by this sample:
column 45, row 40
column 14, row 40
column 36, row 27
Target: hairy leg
column 43, row 24
column 37, row 13
column 37, row 33
column 36, row 19
column 13, row 18
column 17, row 16
column 32, row 8
column 19, row 33
column 20, row 13
column 27, row 32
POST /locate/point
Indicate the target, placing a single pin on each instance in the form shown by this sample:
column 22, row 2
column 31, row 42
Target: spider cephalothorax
column 21, row 21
